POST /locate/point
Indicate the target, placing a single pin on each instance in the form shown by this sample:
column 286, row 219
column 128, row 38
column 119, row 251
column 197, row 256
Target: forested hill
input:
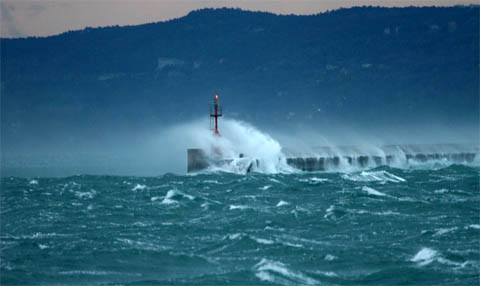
column 359, row 64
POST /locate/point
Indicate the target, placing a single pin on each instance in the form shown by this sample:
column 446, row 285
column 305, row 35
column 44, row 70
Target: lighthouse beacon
column 215, row 113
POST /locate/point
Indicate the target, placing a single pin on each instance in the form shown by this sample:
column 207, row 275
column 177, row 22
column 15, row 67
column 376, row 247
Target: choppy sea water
column 381, row 226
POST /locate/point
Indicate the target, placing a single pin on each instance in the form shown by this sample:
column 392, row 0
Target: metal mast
column 217, row 112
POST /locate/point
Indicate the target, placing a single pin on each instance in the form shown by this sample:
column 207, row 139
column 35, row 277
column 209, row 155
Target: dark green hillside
column 358, row 65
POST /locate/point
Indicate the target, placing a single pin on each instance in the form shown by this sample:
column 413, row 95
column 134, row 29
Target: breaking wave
column 242, row 148
column 278, row 273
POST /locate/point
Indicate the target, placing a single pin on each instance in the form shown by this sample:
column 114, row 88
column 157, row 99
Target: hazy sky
column 45, row 17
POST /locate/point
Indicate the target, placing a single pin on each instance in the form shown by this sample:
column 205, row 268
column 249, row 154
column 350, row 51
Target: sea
column 377, row 226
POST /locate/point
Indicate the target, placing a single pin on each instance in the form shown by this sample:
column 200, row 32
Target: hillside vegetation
column 356, row 65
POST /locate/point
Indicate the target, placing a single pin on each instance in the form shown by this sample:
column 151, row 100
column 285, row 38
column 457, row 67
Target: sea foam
column 282, row 203
column 372, row 191
column 139, row 187
column 373, row 176
column 277, row 272
column 425, row 256
column 171, row 194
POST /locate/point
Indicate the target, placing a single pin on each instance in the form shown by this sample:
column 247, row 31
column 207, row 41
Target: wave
column 277, row 272
column 373, row 176
column 373, row 192
column 242, row 149
column 139, row 187
column 173, row 196
column 427, row 255
column 282, row 203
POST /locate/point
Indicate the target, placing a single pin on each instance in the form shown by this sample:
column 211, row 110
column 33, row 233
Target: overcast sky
column 21, row 18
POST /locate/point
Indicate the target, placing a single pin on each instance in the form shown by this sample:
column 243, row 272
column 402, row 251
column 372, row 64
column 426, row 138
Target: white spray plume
column 242, row 138
column 236, row 138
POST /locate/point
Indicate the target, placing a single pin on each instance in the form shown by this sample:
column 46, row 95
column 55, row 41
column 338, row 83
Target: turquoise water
column 381, row 226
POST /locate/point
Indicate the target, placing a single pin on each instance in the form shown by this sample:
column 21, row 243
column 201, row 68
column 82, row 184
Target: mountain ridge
column 360, row 66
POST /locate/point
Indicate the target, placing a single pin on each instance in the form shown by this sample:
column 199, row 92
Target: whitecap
column 408, row 199
column 84, row 272
column 234, row 236
column 326, row 273
column 372, row 191
column 43, row 246
column 425, row 256
column 329, row 211
column 139, row 187
column 329, row 257
column 314, row 180
column 274, row 228
column 296, row 245
column 190, row 197
column 42, row 235
column 275, row 180
column 139, row 223
column 265, row 276
column 168, row 198
column 264, row 188
column 126, row 240
column 474, row 226
column 88, row 195
column 95, row 273
column 263, row 241
column 238, row 207
column 277, row 272
column 441, row 191
column 375, row 176
column 318, row 180
column 282, row 203
column 442, row 231
column 33, row 182
column 453, row 263
column 388, row 213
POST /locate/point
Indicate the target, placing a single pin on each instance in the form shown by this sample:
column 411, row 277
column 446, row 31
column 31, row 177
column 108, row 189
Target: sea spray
column 242, row 138
column 241, row 147
column 237, row 139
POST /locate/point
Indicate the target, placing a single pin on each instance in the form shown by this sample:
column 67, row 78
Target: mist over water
column 154, row 151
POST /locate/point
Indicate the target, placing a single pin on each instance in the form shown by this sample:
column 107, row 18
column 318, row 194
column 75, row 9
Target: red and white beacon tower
column 215, row 113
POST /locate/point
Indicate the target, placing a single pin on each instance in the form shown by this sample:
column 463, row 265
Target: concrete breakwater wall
column 327, row 158
column 335, row 162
